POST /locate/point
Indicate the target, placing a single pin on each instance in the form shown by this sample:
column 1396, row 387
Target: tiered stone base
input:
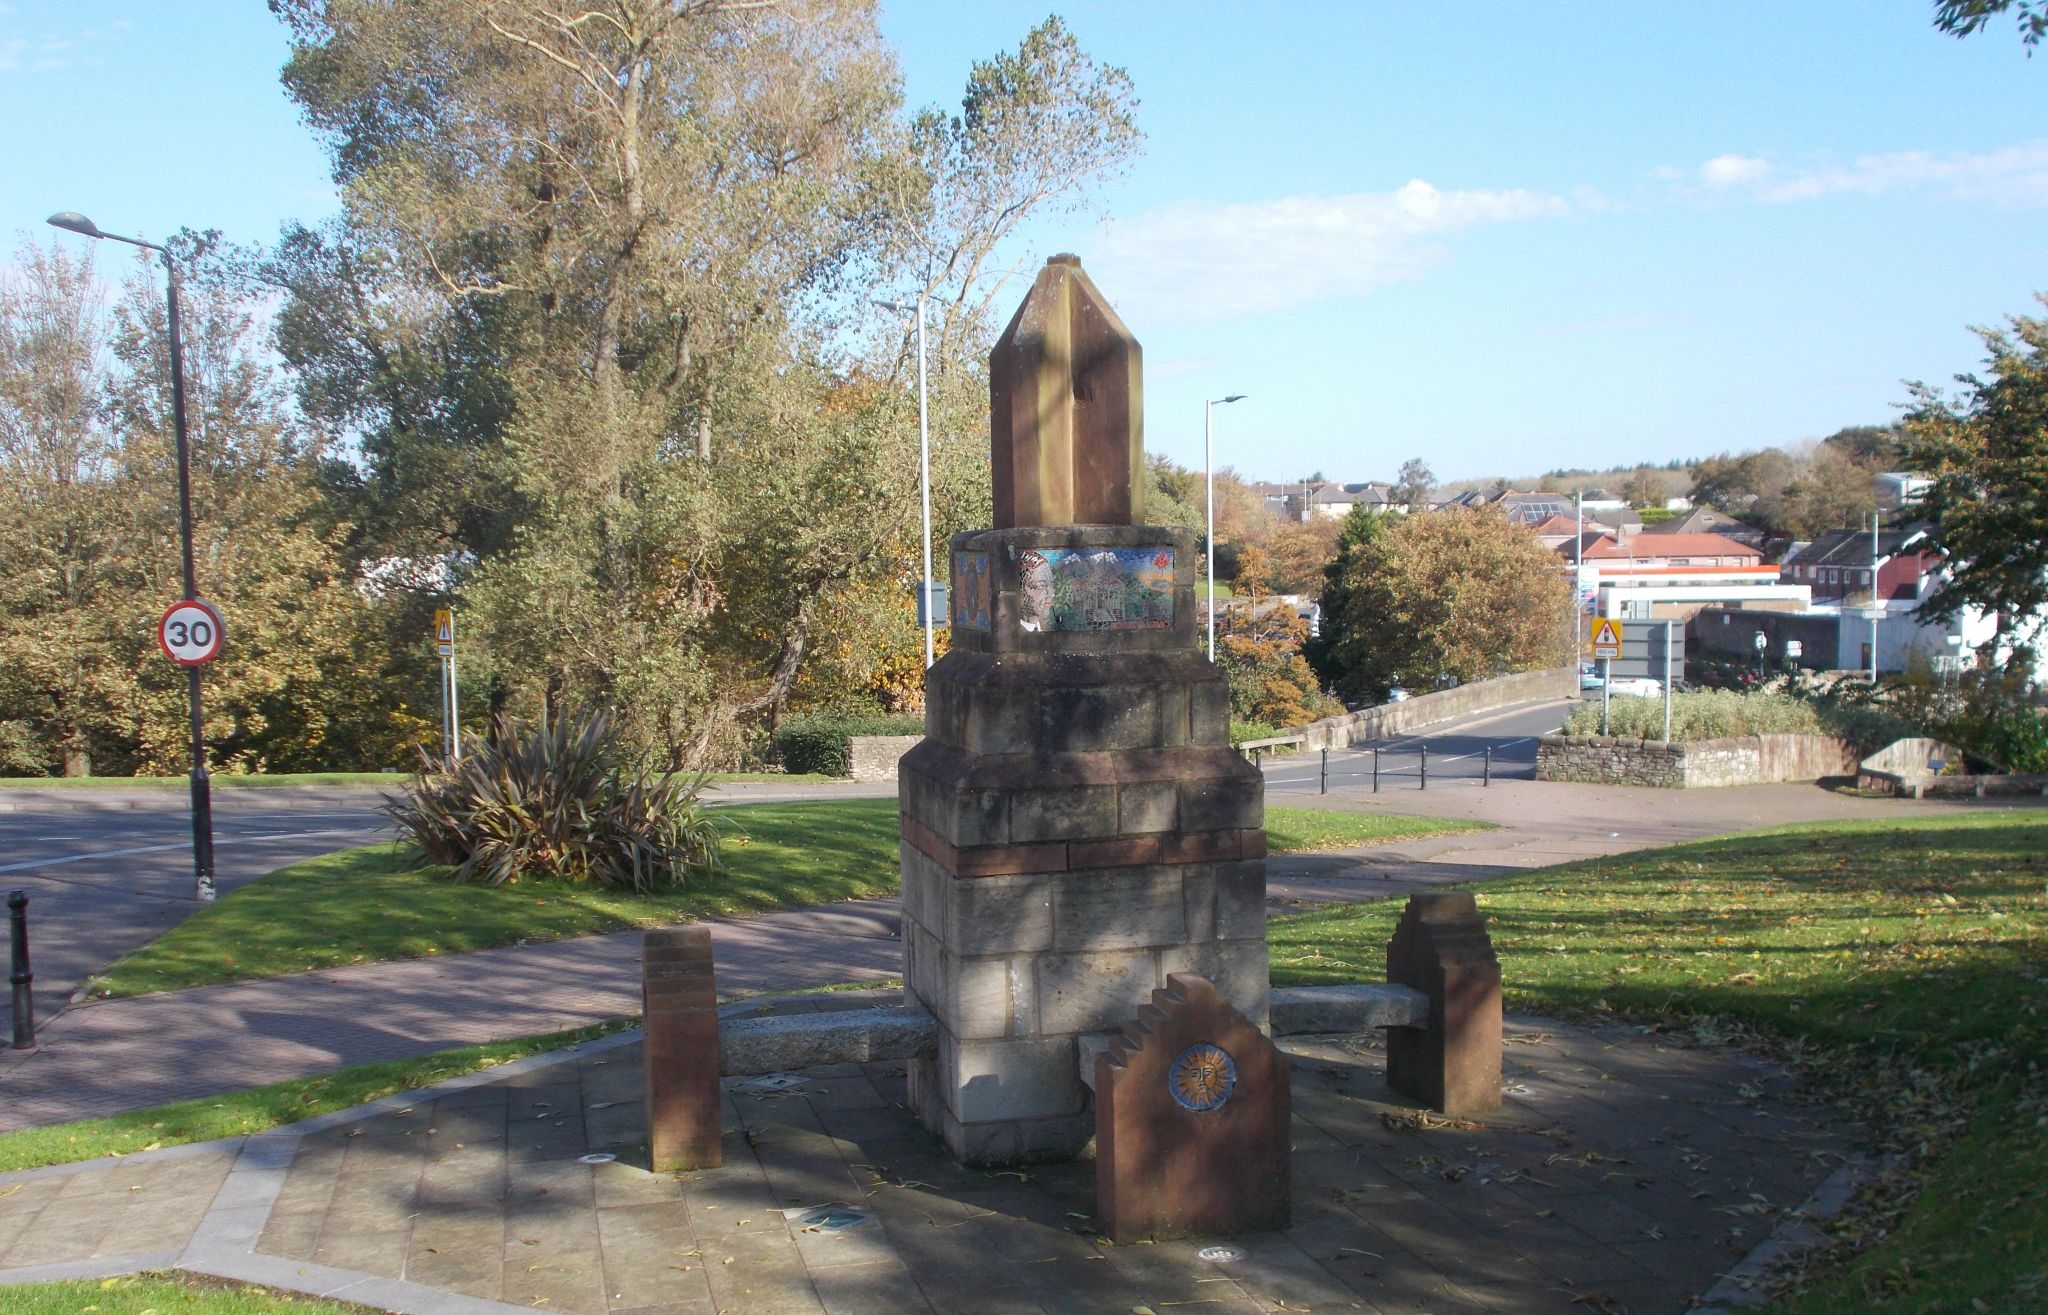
column 1075, row 827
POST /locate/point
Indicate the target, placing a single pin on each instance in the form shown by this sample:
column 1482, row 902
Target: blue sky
column 1500, row 238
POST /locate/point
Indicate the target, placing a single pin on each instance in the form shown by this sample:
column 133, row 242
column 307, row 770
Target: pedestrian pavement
column 105, row 1057
column 1626, row 1173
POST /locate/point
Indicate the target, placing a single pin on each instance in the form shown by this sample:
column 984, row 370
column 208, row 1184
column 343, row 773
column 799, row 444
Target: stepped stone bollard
column 679, row 1002
column 1452, row 1062
column 1074, row 824
column 1192, row 1121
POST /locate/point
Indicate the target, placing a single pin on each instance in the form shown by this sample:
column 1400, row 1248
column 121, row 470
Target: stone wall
column 1426, row 709
column 1737, row 760
column 873, row 757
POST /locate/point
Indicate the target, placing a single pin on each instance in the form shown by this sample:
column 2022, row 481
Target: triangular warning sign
column 1606, row 637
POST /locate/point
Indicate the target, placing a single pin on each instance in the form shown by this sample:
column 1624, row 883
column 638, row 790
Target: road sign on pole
column 190, row 632
column 444, row 647
column 1606, row 637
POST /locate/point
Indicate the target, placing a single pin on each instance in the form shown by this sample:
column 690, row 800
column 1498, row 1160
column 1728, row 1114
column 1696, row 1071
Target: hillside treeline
column 591, row 353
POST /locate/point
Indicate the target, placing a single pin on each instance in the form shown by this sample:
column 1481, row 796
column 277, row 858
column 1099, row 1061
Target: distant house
column 1533, row 508
column 1838, row 565
column 1648, row 575
column 1655, row 551
column 1705, row 520
column 1556, row 533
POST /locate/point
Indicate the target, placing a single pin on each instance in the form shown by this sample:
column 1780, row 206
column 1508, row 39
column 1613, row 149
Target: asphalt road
column 109, row 870
column 1457, row 755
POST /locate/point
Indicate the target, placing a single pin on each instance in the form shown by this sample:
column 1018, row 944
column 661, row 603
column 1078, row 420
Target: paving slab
column 1626, row 1172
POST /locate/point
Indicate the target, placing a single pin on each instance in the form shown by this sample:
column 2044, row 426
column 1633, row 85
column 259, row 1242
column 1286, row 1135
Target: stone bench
column 1312, row 1010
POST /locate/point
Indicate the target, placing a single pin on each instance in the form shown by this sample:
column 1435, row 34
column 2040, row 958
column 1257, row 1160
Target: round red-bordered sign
column 190, row 632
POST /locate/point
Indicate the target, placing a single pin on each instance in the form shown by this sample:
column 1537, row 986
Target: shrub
column 818, row 743
column 1240, row 731
column 565, row 801
column 1717, row 713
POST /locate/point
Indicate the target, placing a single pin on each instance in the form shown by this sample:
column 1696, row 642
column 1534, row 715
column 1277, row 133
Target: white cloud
column 1732, row 170
column 1199, row 261
column 2013, row 174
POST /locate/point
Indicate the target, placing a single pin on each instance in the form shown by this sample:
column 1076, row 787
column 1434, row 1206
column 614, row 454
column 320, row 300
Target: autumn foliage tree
column 1987, row 451
column 1450, row 595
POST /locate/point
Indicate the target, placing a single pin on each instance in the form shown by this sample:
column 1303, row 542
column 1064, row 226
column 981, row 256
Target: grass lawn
column 1903, row 965
column 1304, row 830
column 376, row 903
column 239, row 1113
column 165, row 1294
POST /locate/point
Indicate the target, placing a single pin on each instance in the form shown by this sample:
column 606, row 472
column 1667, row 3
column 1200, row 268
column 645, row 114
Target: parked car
column 1642, row 687
column 1589, row 676
column 1397, row 695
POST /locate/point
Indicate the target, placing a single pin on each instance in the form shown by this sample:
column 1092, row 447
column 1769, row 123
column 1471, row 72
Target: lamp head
column 74, row 222
column 1235, row 397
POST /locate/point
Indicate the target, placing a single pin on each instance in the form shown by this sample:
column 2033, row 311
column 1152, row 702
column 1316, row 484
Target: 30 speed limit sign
column 189, row 632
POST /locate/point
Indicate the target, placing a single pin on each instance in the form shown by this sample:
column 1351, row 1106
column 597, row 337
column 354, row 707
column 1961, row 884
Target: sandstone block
column 1236, row 802
column 1015, row 1141
column 1071, row 813
column 1452, row 1063
column 1097, row 719
column 679, row 1004
column 974, row 996
column 1192, row 1121
column 1120, row 909
column 1090, row 990
column 1029, row 1078
column 1174, row 726
column 1241, row 900
column 1198, row 900
column 999, row 915
column 1144, row 806
column 1000, row 719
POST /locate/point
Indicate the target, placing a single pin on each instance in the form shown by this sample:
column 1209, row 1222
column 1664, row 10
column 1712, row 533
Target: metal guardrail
column 1414, row 760
column 1254, row 750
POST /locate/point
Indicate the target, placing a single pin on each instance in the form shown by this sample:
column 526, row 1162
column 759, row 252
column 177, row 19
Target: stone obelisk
column 1075, row 825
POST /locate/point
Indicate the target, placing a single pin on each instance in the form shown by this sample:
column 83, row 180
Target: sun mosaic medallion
column 1201, row 1077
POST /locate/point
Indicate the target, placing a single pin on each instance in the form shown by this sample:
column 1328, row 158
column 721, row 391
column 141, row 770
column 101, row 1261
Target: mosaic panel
column 973, row 591
column 1096, row 588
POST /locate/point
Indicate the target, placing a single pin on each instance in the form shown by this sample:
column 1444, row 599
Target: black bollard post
column 1486, row 767
column 1325, row 787
column 21, row 977
column 1425, row 765
column 1375, row 769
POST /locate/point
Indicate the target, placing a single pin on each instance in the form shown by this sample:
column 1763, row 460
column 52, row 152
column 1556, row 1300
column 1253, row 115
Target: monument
column 1075, row 826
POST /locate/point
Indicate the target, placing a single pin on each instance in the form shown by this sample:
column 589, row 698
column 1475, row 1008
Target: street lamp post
column 202, row 786
column 924, row 470
column 1209, row 502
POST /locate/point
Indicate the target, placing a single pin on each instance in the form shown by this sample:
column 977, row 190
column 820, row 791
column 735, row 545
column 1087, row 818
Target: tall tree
column 92, row 536
column 1987, row 453
column 1458, row 594
column 67, row 535
column 1413, row 485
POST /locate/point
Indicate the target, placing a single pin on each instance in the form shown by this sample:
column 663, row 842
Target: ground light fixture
column 202, row 787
